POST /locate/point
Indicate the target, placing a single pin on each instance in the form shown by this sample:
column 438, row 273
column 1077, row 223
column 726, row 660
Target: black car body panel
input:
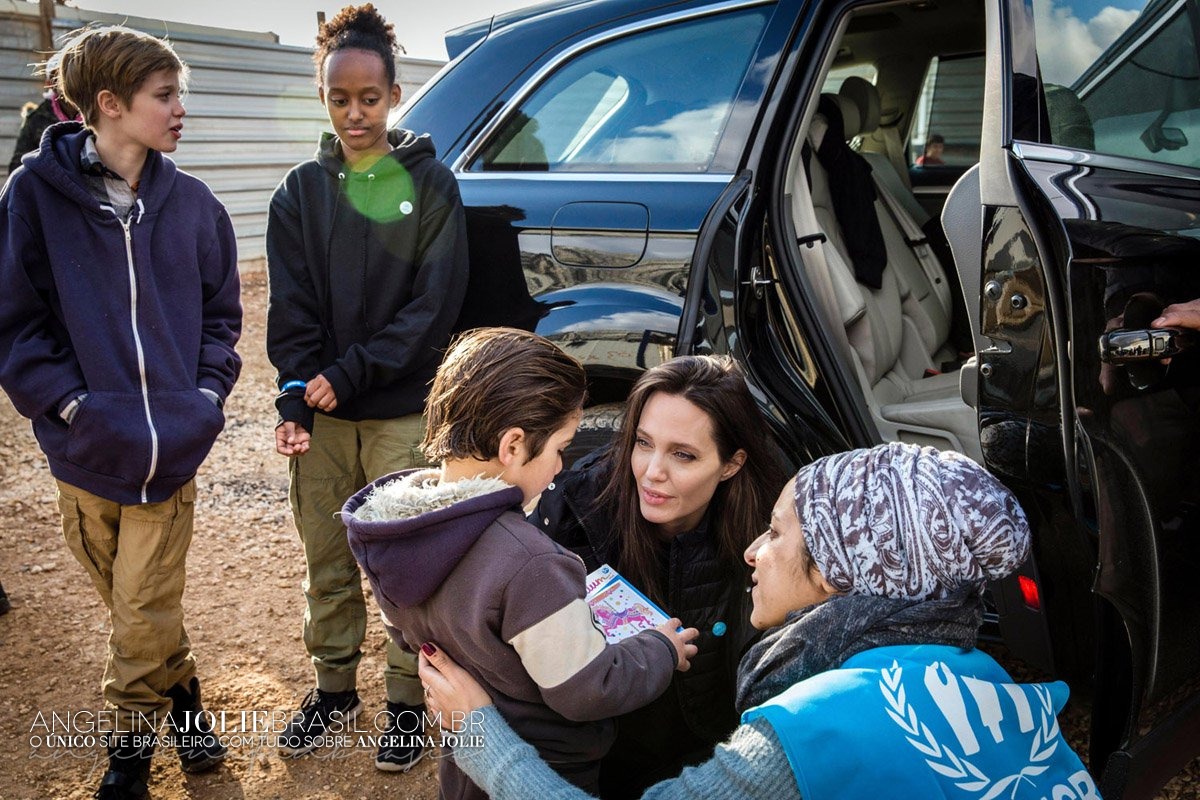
column 625, row 267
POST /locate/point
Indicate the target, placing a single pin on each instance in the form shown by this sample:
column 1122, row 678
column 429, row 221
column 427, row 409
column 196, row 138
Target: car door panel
column 1118, row 239
column 607, row 282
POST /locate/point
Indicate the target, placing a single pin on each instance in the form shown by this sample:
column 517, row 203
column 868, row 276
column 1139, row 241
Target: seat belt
column 812, row 257
column 916, row 240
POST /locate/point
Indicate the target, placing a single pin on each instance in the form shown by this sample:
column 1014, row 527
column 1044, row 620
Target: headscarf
column 908, row 522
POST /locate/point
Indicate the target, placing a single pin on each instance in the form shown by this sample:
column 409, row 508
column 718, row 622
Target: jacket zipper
column 141, row 354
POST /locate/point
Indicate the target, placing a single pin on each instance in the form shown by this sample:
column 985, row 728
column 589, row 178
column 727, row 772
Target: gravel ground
column 243, row 608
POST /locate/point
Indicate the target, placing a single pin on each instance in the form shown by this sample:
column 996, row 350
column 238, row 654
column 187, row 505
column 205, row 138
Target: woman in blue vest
column 866, row 682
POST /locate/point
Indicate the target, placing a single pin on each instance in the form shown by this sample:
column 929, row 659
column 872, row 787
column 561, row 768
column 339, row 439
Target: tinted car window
column 950, row 113
column 654, row 101
column 1122, row 81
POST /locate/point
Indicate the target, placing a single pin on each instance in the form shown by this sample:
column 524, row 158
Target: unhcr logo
column 963, row 756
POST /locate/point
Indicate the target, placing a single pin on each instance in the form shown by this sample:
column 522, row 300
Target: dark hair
column 495, row 379
column 935, row 138
column 741, row 506
column 357, row 28
column 110, row 57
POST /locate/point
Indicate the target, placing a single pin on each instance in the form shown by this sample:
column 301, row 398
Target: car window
column 1121, row 79
column 657, row 100
column 949, row 114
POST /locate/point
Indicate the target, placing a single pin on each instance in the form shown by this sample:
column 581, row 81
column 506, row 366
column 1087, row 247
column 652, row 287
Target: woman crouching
column 867, row 682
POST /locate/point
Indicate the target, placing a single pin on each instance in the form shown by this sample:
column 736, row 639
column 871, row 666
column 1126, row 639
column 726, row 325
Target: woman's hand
column 681, row 638
column 1180, row 315
column 449, row 689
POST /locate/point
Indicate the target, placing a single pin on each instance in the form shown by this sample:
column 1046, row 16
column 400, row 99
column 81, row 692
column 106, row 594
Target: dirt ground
column 243, row 609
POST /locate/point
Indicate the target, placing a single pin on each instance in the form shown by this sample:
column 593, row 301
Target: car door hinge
column 757, row 281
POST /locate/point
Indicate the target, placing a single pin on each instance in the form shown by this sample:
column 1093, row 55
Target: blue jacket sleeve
column 221, row 317
column 38, row 370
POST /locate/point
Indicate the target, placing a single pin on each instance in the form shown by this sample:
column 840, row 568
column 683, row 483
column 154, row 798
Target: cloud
column 1068, row 45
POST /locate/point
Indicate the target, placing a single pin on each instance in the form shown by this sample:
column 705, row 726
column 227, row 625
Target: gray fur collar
column 421, row 492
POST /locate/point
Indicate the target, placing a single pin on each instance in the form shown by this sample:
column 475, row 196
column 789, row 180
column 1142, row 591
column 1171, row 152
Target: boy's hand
column 291, row 439
column 680, row 638
column 319, row 394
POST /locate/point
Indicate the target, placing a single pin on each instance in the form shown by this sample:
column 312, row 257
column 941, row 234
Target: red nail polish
column 428, row 649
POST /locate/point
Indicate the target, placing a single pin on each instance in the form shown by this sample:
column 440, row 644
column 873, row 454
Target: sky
column 1072, row 33
column 420, row 24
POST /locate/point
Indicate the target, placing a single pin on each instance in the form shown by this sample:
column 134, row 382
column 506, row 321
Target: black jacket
column 367, row 275
column 702, row 590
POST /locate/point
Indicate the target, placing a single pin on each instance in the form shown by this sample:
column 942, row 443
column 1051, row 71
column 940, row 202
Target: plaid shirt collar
column 90, row 161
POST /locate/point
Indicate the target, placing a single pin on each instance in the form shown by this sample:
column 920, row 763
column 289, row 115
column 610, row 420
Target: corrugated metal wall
column 252, row 105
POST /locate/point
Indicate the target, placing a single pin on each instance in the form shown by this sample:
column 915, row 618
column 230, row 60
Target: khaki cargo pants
column 343, row 457
column 135, row 555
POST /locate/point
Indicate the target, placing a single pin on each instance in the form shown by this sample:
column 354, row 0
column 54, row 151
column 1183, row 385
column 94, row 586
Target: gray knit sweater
column 750, row 766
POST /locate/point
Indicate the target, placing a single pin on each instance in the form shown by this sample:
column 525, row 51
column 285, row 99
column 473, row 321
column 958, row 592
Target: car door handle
column 1127, row 345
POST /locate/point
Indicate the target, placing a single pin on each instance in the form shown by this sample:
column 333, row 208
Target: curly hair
column 357, row 28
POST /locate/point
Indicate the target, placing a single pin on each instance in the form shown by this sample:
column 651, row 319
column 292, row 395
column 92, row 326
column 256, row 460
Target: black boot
column 195, row 742
column 4, row 604
column 128, row 767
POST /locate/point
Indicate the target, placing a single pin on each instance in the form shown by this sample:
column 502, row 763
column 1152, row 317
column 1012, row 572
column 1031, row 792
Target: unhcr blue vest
column 922, row 722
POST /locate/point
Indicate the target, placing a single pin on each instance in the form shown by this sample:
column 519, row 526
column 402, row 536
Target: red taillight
column 1029, row 592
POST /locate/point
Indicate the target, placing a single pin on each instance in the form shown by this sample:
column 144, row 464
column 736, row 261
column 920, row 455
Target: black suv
column 645, row 178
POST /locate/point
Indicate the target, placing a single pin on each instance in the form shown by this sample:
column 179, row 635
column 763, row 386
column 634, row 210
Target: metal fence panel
column 252, row 103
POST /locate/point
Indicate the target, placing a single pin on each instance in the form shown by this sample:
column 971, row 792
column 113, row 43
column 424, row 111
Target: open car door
column 1090, row 187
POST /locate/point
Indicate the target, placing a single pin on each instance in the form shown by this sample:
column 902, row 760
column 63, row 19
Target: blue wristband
column 292, row 385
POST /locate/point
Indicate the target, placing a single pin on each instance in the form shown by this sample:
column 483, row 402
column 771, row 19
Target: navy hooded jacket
column 139, row 315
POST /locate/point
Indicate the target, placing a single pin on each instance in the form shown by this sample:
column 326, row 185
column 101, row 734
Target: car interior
column 894, row 327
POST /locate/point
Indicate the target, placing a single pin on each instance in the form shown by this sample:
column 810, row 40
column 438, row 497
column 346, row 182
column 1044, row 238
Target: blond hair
column 110, row 57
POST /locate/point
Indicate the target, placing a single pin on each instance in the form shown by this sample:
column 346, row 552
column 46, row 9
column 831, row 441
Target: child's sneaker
column 319, row 712
column 402, row 745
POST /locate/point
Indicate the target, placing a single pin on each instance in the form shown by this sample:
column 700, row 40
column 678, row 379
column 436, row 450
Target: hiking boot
column 128, row 769
column 320, row 711
column 402, row 745
column 195, row 742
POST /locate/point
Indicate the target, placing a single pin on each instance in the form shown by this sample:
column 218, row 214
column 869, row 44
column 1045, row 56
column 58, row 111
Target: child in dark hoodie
column 452, row 559
column 119, row 314
column 367, row 259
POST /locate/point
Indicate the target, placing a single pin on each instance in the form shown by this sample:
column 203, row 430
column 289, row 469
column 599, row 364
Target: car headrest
column 865, row 97
column 845, row 109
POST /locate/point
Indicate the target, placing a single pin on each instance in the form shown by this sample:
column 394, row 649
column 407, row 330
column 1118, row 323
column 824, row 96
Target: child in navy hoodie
column 118, row 321
column 452, row 558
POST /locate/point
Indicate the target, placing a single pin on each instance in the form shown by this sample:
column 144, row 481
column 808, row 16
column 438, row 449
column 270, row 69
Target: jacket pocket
column 109, row 436
column 187, row 423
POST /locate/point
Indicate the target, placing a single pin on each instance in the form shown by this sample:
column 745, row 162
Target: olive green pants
column 343, row 457
column 135, row 555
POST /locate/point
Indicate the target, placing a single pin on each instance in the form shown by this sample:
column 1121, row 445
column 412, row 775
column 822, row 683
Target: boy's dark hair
column 110, row 57
column 495, row 379
column 936, row 138
column 357, row 28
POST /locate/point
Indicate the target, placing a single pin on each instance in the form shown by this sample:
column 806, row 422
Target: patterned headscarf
column 903, row 521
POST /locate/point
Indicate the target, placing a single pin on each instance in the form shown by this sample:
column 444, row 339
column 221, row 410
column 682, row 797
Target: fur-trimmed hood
column 409, row 531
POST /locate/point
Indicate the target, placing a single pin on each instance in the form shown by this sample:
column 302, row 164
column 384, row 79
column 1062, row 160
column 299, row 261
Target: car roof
column 581, row 12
